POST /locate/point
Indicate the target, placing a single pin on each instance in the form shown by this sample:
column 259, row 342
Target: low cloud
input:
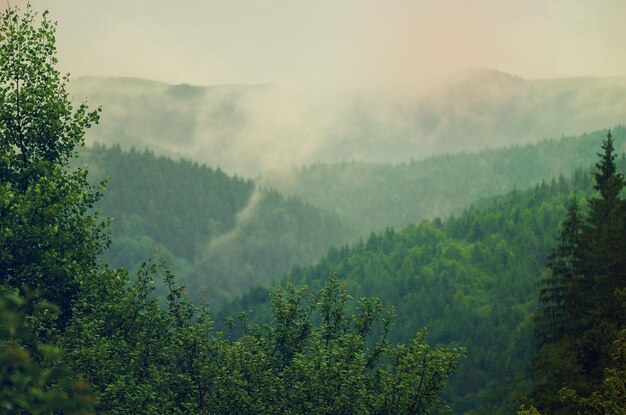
column 248, row 130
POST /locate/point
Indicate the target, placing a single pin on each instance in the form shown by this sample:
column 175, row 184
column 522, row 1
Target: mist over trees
column 221, row 234
column 470, row 279
column 248, row 130
column 375, row 196
column 504, row 289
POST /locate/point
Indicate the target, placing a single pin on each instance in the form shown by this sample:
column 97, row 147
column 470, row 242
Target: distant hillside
column 374, row 196
column 220, row 234
column 224, row 234
column 251, row 129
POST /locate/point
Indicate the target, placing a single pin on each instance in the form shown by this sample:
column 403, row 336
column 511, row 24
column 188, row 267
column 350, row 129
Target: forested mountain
column 220, row 234
column 247, row 130
column 471, row 279
column 374, row 196
column 223, row 234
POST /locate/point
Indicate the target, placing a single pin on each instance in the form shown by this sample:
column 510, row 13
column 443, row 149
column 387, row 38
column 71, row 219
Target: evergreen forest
column 490, row 282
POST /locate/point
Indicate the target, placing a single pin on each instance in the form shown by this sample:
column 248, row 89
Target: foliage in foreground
column 48, row 238
column 472, row 280
column 609, row 398
column 313, row 358
column 33, row 381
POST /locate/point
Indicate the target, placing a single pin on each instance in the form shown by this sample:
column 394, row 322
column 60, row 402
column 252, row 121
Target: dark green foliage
column 177, row 204
column 610, row 398
column 47, row 239
column 31, row 380
column 580, row 312
column 604, row 258
column 470, row 279
column 139, row 357
column 220, row 234
column 272, row 235
column 562, row 296
column 314, row 357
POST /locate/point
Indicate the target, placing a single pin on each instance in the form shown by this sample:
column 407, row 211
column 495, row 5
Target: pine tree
column 580, row 310
column 604, row 263
column 605, row 236
column 560, row 317
column 561, row 304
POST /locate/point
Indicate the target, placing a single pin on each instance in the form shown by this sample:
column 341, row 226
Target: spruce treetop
column 609, row 182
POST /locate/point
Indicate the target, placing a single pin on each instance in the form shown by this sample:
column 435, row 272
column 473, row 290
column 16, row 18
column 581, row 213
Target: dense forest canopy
column 220, row 234
column 471, row 279
column 582, row 315
column 223, row 234
column 375, row 196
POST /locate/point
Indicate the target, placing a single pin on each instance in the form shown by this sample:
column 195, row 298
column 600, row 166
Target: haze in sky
column 348, row 42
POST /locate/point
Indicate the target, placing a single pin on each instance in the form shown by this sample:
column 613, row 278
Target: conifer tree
column 560, row 299
column 580, row 311
column 605, row 236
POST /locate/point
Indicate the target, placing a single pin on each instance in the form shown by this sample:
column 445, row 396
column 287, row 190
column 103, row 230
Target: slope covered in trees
column 471, row 279
column 374, row 196
column 220, row 234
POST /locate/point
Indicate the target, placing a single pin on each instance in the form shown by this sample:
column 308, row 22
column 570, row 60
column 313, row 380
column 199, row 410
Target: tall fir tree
column 560, row 296
column 580, row 309
column 604, row 263
column 605, row 236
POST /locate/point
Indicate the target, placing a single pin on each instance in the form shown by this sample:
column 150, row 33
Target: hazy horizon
column 368, row 80
column 349, row 44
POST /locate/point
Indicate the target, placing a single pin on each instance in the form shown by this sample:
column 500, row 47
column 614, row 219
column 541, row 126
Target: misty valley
column 262, row 249
column 456, row 243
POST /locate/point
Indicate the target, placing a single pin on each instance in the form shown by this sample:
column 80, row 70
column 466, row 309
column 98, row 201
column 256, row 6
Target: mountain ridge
column 249, row 129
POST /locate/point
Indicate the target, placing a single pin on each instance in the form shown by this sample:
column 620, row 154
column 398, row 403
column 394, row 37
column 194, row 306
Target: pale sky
column 336, row 42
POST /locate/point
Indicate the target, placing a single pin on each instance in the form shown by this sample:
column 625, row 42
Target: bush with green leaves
column 32, row 380
column 314, row 357
column 609, row 398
